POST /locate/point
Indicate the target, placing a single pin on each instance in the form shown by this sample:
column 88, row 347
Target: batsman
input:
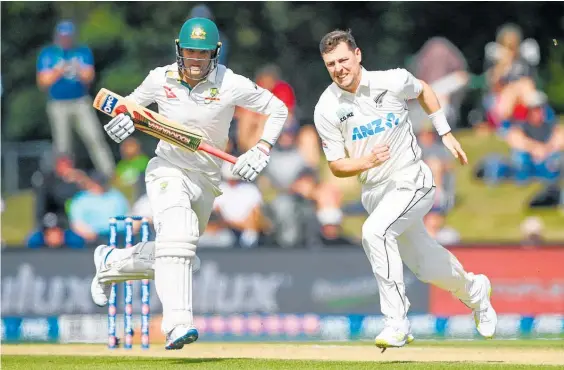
column 201, row 94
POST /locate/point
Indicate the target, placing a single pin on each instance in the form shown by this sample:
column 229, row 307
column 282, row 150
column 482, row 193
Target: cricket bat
column 155, row 124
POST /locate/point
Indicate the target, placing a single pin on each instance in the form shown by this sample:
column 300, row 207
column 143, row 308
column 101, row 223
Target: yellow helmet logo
column 198, row 33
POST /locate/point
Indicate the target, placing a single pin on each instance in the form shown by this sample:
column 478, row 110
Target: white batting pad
column 173, row 281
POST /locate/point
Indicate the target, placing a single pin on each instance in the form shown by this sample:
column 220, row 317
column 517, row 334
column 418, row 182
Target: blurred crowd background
column 498, row 69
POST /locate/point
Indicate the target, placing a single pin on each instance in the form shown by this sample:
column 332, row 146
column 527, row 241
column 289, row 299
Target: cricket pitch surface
column 259, row 355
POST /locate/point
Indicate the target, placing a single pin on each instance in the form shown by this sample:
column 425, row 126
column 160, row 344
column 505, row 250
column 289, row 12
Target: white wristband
column 440, row 122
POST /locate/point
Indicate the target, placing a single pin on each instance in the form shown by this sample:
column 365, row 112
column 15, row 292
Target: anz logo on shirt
column 374, row 127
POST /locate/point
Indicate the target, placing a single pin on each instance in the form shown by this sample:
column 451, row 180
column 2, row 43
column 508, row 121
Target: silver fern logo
column 380, row 98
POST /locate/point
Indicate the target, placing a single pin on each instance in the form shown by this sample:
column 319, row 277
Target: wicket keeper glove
column 250, row 164
column 120, row 127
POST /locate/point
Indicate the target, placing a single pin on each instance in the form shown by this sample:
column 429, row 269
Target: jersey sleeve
column 145, row 93
column 44, row 60
column 87, row 56
column 332, row 140
column 250, row 96
column 408, row 87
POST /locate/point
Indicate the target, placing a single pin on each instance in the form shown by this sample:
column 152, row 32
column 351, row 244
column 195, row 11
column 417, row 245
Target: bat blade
column 155, row 124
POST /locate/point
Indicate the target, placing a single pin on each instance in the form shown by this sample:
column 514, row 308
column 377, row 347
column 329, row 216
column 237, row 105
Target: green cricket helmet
column 198, row 34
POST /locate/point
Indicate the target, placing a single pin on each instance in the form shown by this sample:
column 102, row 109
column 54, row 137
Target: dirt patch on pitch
column 320, row 352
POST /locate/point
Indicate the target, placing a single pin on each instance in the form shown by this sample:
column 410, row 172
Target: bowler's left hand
column 454, row 147
column 250, row 164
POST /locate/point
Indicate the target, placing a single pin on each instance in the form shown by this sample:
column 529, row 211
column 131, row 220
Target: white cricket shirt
column 206, row 109
column 350, row 125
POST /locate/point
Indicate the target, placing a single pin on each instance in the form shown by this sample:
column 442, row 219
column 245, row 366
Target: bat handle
column 218, row 153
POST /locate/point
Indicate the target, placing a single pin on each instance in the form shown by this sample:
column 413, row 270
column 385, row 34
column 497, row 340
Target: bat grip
column 218, row 153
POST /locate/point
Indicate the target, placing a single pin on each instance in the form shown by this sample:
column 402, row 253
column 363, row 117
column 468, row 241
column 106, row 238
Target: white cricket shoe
column 485, row 317
column 100, row 292
column 180, row 336
column 393, row 336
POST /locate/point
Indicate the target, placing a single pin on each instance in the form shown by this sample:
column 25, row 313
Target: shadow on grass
column 185, row 361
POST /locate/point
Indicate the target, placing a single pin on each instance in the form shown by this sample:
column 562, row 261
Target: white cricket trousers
column 181, row 202
column 394, row 232
column 61, row 114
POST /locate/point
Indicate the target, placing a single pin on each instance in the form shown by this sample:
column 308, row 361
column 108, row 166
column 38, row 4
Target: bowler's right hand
column 120, row 127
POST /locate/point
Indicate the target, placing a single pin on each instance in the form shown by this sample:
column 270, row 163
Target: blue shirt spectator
column 64, row 238
column 52, row 235
column 71, row 59
column 66, row 70
column 90, row 210
column 537, row 143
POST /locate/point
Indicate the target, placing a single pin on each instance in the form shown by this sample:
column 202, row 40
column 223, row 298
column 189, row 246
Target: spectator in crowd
column 331, row 230
column 443, row 66
column 537, row 142
column 55, row 187
column 91, row 209
column 510, row 75
column 532, row 230
column 439, row 160
column 551, row 196
column 217, row 234
column 133, row 162
column 203, row 11
column 66, row 71
column 53, row 235
column 300, row 194
column 435, row 221
column 292, row 211
column 250, row 124
column 240, row 207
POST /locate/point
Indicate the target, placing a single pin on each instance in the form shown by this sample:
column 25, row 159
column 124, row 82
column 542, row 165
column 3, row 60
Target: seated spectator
column 331, row 231
column 510, row 75
column 54, row 188
column 91, row 209
column 551, row 196
column 250, row 124
column 292, row 212
column 300, row 194
column 443, row 66
column 532, row 230
column 240, row 208
column 217, row 234
column 439, row 159
column 52, row 235
column 133, row 162
column 294, row 206
column 537, row 143
column 435, row 224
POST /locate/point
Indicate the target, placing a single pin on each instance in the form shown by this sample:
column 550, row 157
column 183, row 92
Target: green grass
column 17, row 219
column 395, row 360
column 126, row 363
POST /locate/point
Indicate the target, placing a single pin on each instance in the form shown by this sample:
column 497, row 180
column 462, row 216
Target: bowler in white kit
column 363, row 122
column 202, row 95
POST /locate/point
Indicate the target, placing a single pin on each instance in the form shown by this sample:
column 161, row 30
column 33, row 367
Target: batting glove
column 250, row 164
column 120, row 127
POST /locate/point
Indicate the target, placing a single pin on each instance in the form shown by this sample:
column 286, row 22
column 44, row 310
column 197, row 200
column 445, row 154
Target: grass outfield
column 481, row 354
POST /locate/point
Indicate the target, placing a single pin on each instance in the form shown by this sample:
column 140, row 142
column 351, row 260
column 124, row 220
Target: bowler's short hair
column 331, row 40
